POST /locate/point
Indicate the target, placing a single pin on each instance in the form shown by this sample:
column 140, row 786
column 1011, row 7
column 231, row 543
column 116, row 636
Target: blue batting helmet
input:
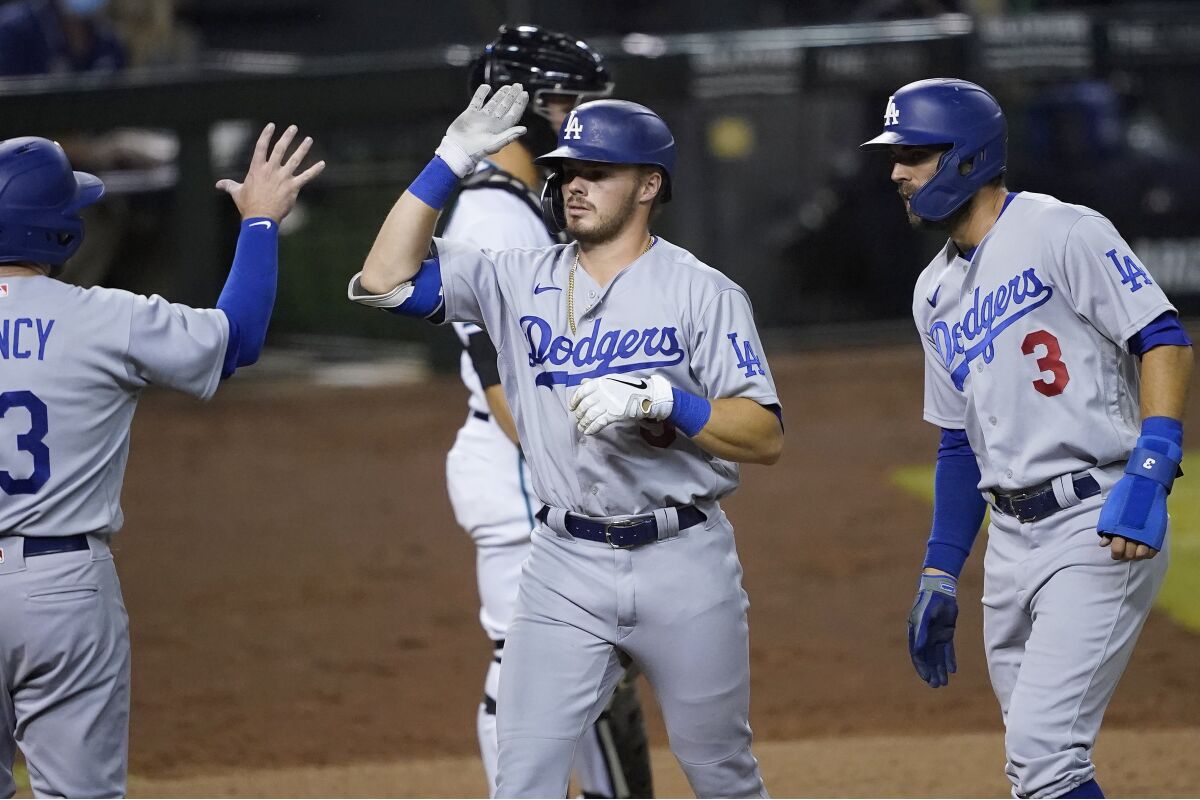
column 40, row 200
column 952, row 112
column 612, row 132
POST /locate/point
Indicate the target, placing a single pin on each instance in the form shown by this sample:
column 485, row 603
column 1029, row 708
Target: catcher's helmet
column 545, row 63
column 40, row 200
column 953, row 112
column 613, row 132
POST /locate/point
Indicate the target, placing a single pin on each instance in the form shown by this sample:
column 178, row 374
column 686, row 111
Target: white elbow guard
column 391, row 299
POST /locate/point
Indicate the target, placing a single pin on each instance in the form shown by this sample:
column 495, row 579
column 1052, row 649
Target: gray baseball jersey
column 1025, row 343
column 74, row 362
column 1026, row 348
column 666, row 314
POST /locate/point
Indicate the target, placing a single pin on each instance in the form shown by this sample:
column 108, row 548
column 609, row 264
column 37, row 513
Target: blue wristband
column 1166, row 427
column 1158, row 451
column 689, row 413
column 435, row 183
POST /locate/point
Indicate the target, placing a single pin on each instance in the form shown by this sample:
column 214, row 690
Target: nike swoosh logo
column 638, row 385
column 266, row 223
column 540, row 289
column 933, row 300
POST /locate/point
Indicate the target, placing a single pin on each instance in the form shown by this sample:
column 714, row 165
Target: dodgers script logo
column 985, row 320
column 596, row 354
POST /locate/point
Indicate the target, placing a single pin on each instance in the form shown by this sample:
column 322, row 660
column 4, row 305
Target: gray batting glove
column 599, row 403
column 483, row 128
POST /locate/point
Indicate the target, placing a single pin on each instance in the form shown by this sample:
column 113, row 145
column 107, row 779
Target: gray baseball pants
column 64, row 671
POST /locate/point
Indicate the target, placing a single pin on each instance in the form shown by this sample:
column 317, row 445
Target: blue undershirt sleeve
column 958, row 506
column 1162, row 330
column 249, row 293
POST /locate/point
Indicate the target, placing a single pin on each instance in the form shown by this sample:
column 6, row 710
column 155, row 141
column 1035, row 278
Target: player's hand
column 484, row 127
column 1127, row 549
column 1133, row 521
column 931, row 629
column 272, row 185
column 599, row 402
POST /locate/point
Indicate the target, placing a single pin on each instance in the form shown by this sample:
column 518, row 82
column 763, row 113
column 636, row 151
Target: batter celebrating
column 73, row 363
column 1034, row 316
column 636, row 380
column 486, row 474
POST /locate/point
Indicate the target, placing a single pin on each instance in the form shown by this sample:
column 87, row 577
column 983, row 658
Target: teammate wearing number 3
column 1034, row 316
column 73, row 363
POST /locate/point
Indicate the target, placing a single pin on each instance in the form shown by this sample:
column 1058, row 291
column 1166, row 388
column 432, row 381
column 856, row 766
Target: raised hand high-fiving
column 484, row 127
column 271, row 184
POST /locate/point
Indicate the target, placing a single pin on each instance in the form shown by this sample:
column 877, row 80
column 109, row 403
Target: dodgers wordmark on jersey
column 666, row 314
column 62, row 450
column 1052, row 293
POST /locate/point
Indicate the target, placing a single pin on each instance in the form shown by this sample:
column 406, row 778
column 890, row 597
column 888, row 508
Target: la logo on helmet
column 573, row 129
column 892, row 115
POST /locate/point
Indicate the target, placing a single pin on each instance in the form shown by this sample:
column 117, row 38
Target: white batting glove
column 483, row 128
column 598, row 403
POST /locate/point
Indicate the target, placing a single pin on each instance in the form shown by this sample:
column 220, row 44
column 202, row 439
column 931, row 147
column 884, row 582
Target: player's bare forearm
column 400, row 246
column 1166, row 375
column 498, row 406
column 739, row 429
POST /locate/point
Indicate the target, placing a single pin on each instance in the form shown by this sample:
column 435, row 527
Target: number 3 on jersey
column 29, row 442
column 1051, row 362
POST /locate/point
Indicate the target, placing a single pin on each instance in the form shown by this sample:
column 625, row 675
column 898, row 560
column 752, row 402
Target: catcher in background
column 486, row 474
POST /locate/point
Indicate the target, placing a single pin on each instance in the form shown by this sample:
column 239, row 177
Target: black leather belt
column 1039, row 502
column 45, row 545
column 483, row 415
column 623, row 533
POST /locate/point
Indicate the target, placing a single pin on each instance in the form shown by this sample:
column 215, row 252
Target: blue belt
column 623, row 533
column 45, row 545
column 483, row 415
column 1039, row 502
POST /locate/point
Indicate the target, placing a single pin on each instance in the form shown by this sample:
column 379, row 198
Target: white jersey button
column 596, row 489
column 992, row 420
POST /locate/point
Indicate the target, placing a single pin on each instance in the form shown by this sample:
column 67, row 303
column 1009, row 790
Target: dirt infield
column 300, row 598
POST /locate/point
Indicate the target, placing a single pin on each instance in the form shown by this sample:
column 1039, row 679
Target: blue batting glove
column 931, row 629
column 1136, row 508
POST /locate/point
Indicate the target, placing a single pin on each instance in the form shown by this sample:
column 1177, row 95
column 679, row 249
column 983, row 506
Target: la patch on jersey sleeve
column 728, row 358
column 1107, row 282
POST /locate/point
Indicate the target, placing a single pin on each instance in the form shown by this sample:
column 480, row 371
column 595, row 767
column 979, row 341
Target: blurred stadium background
column 257, row 645
column 768, row 99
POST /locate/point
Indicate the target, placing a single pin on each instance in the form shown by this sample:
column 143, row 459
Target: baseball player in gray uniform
column 1034, row 317
column 486, row 474
column 637, row 383
column 74, row 363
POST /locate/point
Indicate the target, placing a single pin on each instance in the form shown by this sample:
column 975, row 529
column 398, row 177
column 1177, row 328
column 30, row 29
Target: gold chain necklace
column 571, row 282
